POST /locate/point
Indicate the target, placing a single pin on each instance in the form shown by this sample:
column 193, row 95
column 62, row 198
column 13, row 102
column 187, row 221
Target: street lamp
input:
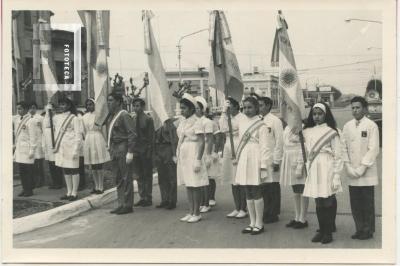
column 180, row 49
column 365, row 20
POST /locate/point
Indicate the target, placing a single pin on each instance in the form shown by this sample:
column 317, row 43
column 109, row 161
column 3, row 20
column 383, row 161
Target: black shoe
column 65, row 197
column 356, row 235
column 28, row 194
column 162, row 205
column 171, row 206
column 21, row 194
column 365, row 236
column 73, row 198
column 292, row 223
column 139, row 203
column 326, row 238
column 147, row 203
column 124, row 211
column 94, row 191
column 99, row 192
column 116, row 210
column 271, row 220
column 300, row 225
column 247, row 230
column 257, row 231
column 317, row 238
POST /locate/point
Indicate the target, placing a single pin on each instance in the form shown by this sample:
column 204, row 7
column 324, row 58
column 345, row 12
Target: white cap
column 202, row 101
column 190, row 98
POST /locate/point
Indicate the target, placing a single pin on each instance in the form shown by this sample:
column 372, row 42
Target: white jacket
column 361, row 147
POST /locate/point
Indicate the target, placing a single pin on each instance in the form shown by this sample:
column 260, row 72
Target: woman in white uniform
column 67, row 146
column 208, row 130
column 228, row 169
column 293, row 174
column 94, row 148
column 324, row 166
column 56, row 173
column 254, row 163
column 191, row 169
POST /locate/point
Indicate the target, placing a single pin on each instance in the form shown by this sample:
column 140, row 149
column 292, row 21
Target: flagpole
column 228, row 112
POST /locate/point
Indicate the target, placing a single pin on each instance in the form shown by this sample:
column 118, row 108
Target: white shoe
column 241, row 214
column 194, row 219
column 186, row 218
column 212, row 202
column 232, row 214
column 205, row 209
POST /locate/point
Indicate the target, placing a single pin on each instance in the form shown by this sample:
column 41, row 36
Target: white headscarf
column 320, row 106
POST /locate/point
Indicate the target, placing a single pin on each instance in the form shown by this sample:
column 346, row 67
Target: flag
column 16, row 53
column 223, row 59
column 292, row 102
column 48, row 68
column 97, row 24
column 158, row 93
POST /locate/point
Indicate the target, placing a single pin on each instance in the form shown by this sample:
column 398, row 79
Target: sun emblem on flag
column 288, row 77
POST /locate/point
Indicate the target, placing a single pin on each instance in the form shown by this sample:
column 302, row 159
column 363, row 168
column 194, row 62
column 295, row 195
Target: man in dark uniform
column 166, row 141
column 144, row 148
column 121, row 141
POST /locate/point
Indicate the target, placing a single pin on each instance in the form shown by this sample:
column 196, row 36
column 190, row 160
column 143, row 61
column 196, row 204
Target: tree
column 337, row 93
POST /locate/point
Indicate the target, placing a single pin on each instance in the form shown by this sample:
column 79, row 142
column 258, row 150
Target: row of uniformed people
column 326, row 151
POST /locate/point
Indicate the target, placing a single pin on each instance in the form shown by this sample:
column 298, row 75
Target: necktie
column 357, row 123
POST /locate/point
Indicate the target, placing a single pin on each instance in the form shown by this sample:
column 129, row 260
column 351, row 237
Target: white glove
column 215, row 157
column 264, row 173
column 360, row 171
column 175, row 159
column 48, row 107
column 207, row 161
column 336, row 183
column 299, row 172
column 129, row 158
column 351, row 171
column 197, row 166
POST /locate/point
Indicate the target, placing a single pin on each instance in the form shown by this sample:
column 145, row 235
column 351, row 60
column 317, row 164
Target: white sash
column 112, row 125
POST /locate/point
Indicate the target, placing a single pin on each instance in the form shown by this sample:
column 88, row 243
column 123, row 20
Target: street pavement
column 159, row 228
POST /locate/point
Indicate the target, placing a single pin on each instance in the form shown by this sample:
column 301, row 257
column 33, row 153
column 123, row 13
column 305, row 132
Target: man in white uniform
column 361, row 148
column 25, row 145
column 272, row 189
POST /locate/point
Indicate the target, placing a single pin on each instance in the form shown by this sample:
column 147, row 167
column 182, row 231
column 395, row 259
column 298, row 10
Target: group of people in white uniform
column 265, row 155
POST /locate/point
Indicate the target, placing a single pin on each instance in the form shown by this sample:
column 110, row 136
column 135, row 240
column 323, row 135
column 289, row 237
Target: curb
column 64, row 212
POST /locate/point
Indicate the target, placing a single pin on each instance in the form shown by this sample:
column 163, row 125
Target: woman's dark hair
column 267, row 101
column 329, row 119
column 71, row 105
column 201, row 106
column 188, row 104
column 254, row 102
column 234, row 103
column 87, row 102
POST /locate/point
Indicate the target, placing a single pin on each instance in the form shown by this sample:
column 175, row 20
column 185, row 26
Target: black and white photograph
column 217, row 130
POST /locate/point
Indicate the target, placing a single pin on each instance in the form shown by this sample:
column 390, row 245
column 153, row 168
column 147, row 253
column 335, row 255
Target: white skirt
column 215, row 170
column 95, row 149
column 248, row 170
column 185, row 166
column 64, row 157
column 319, row 181
column 288, row 168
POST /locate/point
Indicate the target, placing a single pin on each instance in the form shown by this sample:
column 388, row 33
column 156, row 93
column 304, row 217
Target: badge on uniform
column 363, row 134
column 269, row 130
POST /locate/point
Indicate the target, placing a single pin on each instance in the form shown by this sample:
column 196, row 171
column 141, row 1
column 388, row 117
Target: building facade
column 24, row 66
